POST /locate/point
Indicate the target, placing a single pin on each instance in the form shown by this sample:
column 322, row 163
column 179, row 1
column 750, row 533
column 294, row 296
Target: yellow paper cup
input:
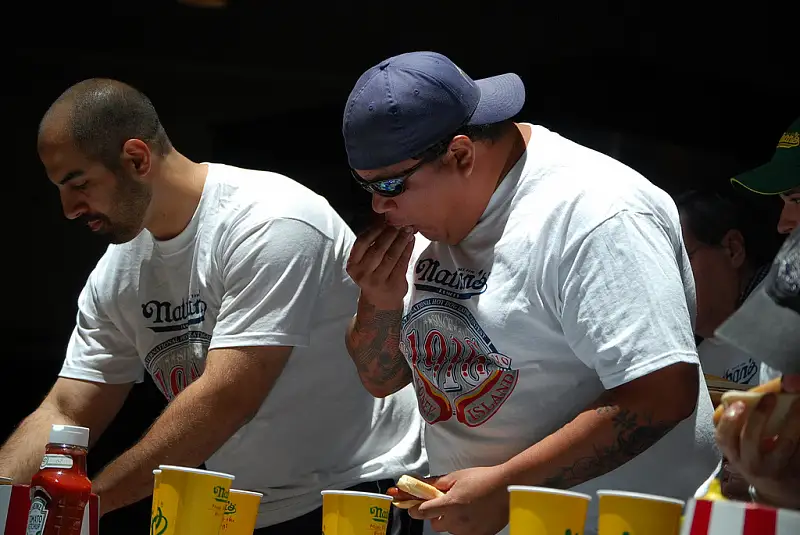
column 241, row 512
column 347, row 512
column 638, row 514
column 189, row 501
column 546, row 511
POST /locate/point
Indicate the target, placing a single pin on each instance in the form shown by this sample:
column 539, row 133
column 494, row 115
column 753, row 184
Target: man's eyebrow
column 396, row 174
column 71, row 176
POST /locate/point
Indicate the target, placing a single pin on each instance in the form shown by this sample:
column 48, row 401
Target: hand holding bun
column 416, row 488
column 770, row 387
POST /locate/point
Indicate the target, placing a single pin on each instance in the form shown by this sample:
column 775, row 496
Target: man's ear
column 733, row 243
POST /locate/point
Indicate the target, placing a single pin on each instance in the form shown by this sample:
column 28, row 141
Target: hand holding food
column 770, row 387
column 412, row 492
column 759, row 434
column 783, row 404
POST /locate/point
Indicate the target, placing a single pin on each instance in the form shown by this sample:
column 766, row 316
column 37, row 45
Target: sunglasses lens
column 388, row 187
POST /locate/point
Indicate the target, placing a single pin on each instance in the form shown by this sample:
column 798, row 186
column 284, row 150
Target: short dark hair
column 103, row 114
column 476, row 132
column 709, row 215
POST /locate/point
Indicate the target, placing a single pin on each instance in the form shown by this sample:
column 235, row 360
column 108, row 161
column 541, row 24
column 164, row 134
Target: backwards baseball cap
column 406, row 104
column 782, row 173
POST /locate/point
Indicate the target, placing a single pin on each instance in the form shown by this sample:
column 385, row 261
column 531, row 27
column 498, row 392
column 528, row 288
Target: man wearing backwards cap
column 780, row 176
column 536, row 293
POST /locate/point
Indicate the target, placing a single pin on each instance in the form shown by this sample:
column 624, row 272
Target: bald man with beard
column 228, row 287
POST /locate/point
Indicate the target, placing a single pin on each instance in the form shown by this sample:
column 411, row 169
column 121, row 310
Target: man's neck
column 496, row 160
column 751, row 278
column 176, row 195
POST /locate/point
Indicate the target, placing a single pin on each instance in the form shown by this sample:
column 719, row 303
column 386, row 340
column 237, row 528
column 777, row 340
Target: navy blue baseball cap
column 406, row 104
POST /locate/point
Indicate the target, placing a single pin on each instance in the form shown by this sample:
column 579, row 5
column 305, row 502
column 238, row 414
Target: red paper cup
column 707, row 517
column 15, row 502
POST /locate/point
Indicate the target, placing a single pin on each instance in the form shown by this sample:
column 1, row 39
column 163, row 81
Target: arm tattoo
column 375, row 347
column 633, row 435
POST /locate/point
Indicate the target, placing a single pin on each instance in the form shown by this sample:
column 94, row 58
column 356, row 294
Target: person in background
column 228, row 287
column 780, row 177
column 730, row 255
column 772, row 471
column 536, row 293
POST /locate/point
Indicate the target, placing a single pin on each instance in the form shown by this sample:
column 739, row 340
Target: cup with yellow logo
column 546, row 511
column 241, row 512
column 347, row 512
column 638, row 514
column 189, row 501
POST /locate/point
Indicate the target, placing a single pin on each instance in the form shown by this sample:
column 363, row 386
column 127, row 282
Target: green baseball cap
column 782, row 173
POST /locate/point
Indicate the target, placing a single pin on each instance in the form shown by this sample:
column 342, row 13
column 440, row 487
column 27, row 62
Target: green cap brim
column 773, row 178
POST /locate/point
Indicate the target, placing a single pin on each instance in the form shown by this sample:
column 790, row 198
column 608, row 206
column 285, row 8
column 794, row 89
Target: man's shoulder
column 234, row 187
column 118, row 269
column 244, row 200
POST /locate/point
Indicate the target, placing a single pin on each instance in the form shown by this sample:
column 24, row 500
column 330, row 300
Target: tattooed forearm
column 631, row 434
column 373, row 342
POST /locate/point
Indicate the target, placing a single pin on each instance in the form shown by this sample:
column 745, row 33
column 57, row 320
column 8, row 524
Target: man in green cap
column 780, row 176
column 768, row 473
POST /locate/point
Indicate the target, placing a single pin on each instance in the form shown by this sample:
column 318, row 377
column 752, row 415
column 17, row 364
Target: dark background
column 685, row 97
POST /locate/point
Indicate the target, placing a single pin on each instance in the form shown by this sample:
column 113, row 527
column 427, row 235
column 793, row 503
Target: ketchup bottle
column 60, row 489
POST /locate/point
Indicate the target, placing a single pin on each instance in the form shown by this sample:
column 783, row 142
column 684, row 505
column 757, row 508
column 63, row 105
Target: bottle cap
column 70, row 434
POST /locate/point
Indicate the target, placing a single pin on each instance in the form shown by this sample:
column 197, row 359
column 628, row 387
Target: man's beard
column 131, row 200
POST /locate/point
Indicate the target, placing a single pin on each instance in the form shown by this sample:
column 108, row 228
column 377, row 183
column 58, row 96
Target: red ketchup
column 60, row 489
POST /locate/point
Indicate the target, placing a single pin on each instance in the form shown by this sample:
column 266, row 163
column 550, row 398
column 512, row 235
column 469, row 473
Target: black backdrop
column 679, row 98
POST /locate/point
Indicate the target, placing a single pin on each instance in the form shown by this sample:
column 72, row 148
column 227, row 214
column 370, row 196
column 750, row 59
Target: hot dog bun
column 418, row 488
column 783, row 403
column 407, row 504
column 770, row 387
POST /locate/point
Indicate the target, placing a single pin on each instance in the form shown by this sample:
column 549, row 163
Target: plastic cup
column 347, row 512
column 189, row 501
column 241, row 512
column 638, row 514
column 545, row 511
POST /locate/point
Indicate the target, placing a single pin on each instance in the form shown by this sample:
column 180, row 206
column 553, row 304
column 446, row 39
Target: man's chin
column 119, row 237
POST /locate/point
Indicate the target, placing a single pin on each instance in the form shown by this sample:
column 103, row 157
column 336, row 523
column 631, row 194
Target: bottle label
column 53, row 460
column 37, row 516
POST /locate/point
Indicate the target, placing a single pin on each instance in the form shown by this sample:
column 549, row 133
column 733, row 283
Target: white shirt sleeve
column 98, row 351
column 273, row 275
column 624, row 304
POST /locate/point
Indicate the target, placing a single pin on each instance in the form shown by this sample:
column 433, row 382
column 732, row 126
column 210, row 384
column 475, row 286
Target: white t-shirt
column 260, row 264
column 575, row 280
column 728, row 362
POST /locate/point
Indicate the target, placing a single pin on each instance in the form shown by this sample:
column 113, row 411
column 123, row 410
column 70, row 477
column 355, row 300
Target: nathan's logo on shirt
column 457, row 370
column 459, row 284
column 743, row 372
column 178, row 362
column 167, row 316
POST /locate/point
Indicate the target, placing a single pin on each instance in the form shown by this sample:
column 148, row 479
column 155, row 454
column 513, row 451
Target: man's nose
column 790, row 218
column 72, row 207
column 381, row 204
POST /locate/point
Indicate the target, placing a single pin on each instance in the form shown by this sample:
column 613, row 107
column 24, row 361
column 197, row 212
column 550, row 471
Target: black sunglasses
column 391, row 186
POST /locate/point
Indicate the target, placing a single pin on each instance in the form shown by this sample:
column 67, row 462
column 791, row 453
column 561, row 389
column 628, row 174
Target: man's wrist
column 515, row 472
column 779, row 502
column 371, row 305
